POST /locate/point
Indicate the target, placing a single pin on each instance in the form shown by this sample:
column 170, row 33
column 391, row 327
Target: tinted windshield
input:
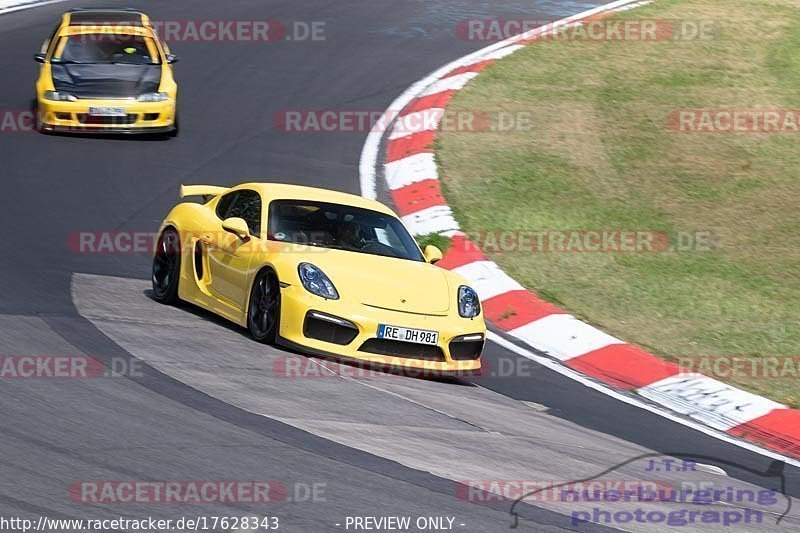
column 101, row 48
column 340, row 227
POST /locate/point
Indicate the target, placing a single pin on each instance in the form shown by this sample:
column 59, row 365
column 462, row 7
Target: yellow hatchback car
column 320, row 271
column 106, row 71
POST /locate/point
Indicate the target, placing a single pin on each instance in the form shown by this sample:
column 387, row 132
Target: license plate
column 107, row 111
column 418, row 336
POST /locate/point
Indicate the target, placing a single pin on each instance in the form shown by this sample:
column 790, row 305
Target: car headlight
column 316, row 282
column 59, row 97
column 469, row 305
column 154, row 97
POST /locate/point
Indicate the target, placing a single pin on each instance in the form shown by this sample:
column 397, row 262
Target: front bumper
column 296, row 303
column 73, row 117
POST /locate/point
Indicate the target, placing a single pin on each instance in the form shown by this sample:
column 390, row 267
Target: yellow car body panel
column 373, row 289
column 73, row 116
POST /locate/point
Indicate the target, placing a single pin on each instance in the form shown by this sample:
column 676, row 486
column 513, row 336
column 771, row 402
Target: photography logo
column 772, row 493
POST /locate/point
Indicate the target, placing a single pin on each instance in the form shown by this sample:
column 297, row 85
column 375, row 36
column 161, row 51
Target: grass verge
column 601, row 156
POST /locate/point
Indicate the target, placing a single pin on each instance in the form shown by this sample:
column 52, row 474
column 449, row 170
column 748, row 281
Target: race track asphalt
column 156, row 426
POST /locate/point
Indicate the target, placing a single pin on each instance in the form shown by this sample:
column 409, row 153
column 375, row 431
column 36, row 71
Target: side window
column 49, row 41
column 224, row 205
column 248, row 207
column 244, row 204
column 162, row 42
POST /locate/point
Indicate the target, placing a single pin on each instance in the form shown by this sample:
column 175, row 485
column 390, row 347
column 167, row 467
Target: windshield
column 107, row 49
column 340, row 227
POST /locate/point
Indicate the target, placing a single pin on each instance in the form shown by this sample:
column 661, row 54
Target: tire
column 37, row 119
column 177, row 129
column 264, row 308
column 167, row 267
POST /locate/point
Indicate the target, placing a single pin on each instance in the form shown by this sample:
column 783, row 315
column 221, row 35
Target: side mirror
column 40, row 58
column 432, row 254
column 172, row 58
column 237, row 226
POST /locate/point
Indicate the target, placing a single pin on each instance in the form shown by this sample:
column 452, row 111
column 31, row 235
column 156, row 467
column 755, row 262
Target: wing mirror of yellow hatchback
column 237, row 226
column 432, row 254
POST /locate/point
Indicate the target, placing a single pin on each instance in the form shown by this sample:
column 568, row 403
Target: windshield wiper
column 134, row 64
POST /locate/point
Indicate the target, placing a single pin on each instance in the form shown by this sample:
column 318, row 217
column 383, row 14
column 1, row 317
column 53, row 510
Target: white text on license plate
column 107, row 111
column 418, row 336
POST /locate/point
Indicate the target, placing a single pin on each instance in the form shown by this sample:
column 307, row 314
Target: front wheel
column 264, row 310
column 167, row 267
column 38, row 124
column 176, row 129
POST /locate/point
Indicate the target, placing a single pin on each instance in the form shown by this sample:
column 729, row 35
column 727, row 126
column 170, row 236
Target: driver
column 131, row 51
column 348, row 234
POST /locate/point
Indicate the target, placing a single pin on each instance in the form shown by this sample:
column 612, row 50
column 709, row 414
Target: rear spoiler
column 206, row 191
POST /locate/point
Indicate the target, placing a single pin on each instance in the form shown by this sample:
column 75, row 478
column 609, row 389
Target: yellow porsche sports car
column 320, row 271
column 106, row 71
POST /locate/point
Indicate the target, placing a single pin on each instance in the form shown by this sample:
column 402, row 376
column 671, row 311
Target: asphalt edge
column 408, row 170
column 11, row 6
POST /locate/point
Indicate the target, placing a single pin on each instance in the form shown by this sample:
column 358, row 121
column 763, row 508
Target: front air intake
column 328, row 328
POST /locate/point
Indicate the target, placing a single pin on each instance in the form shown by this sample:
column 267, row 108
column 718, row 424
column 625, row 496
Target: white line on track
column 634, row 401
column 28, row 5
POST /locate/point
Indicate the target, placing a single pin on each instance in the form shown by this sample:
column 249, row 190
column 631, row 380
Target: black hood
column 106, row 81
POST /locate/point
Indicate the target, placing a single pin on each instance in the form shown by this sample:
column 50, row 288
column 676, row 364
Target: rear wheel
column 263, row 312
column 167, row 267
